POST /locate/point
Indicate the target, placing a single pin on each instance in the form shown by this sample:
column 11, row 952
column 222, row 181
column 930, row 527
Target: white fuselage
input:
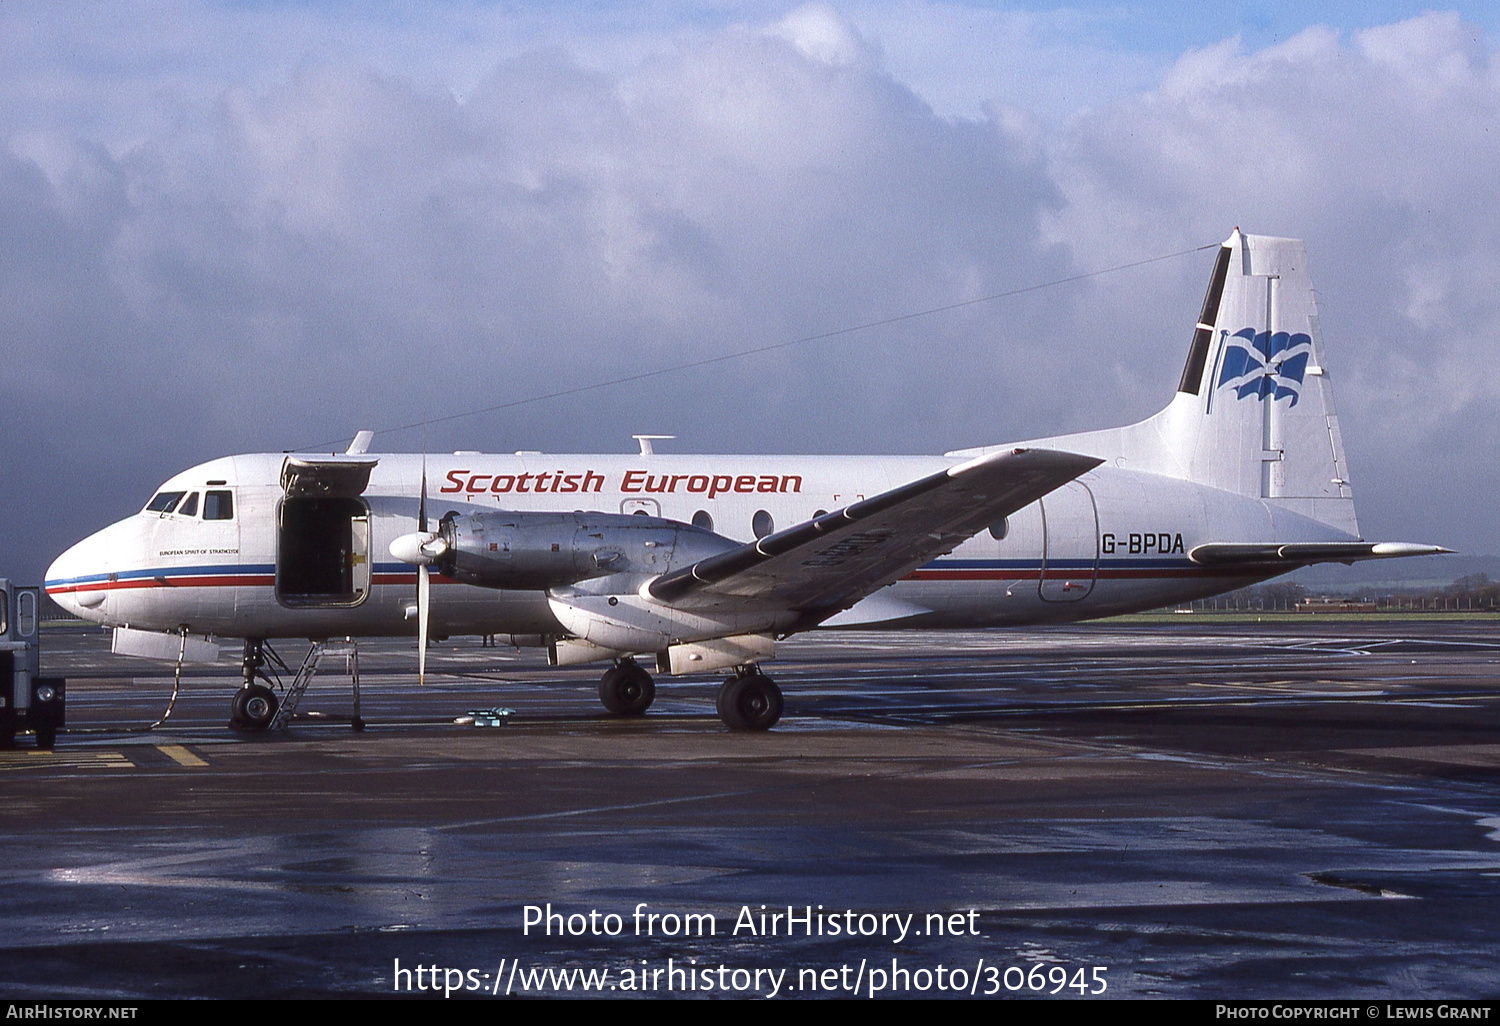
column 1113, row 541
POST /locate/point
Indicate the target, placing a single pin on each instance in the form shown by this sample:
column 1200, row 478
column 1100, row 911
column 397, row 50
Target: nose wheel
column 253, row 707
column 749, row 701
column 626, row 689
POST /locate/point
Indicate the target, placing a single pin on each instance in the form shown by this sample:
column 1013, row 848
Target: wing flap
column 829, row 563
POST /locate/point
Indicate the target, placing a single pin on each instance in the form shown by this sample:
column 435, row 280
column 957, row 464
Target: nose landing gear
column 253, row 707
column 254, row 704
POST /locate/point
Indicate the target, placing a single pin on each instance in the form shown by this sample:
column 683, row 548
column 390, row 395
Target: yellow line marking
column 180, row 755
column 33, row 759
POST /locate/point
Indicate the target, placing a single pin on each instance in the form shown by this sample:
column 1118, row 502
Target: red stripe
column 199, row 581
column 390, row 579
column 219, row 581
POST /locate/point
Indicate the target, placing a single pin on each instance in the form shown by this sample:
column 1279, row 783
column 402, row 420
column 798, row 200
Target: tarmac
column 1190, row 810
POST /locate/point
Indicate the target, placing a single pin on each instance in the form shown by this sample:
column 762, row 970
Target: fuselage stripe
column 261, row 575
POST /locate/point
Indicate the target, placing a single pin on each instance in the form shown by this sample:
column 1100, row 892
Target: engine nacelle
column 537, row 551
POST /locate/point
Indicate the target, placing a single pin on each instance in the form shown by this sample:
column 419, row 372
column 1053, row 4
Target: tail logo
column 1265, row 364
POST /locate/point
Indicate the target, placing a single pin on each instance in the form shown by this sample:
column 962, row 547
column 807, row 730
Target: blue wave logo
column 1265, row 364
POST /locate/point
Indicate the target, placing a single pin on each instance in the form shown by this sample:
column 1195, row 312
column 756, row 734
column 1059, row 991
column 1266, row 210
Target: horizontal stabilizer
column 828, row 564
column 1290, row 554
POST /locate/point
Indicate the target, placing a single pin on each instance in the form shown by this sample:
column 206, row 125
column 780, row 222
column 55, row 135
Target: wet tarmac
column 1183, row 810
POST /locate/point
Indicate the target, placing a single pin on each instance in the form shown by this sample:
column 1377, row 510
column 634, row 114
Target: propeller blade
column 422, row 502
column 424, row 547
column 423, row 608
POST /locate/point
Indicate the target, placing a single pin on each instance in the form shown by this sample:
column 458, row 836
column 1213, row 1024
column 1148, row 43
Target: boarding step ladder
column 309, row 668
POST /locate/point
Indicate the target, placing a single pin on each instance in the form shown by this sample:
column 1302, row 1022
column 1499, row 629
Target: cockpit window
column 189, row 507
column 218, row 506
column 164, row 502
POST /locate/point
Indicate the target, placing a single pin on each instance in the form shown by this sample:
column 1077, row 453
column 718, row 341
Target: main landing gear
column 749, row 700
column 626, row 689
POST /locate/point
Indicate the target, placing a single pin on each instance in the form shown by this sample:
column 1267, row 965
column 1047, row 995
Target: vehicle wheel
column 750, row 702
column 46, row 737
column 253, row 708
column 627, row 689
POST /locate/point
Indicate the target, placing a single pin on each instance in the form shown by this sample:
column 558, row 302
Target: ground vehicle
column 28, row 701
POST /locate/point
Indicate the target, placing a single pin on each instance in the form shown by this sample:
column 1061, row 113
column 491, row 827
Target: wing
column 825, row 565
column 1287, row 555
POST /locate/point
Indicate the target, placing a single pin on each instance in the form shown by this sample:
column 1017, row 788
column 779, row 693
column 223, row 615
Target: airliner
column 692, row 564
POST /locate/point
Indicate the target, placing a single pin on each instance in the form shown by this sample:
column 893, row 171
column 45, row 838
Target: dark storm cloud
column 211, row 248
column 348, row 248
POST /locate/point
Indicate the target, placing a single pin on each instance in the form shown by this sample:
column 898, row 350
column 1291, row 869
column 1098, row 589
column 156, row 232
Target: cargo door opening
column 323, row 552
column 323, row 531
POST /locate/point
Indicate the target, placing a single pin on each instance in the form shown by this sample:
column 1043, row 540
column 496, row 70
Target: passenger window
column 189, row 506
column 1000, row 528
column 164, row 502
column 704, row 519
column 218, row 506
column 762, row 524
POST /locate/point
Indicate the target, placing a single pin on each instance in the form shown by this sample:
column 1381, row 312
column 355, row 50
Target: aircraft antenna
column 822, row 336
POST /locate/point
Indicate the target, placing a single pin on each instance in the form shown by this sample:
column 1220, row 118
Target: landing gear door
column 323, row 531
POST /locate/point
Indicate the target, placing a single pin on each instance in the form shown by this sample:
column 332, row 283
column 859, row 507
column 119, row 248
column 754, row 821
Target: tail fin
column 1253, row 413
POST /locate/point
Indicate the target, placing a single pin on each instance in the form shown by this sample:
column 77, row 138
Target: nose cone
column 63, row 580
column 80, row 579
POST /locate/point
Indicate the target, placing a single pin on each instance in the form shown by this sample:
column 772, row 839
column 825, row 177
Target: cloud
column 1377, row 149
column 229, row 229
column 347, row 248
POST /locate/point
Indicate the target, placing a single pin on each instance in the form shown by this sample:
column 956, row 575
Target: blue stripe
column 261, row 569
column 212, row 569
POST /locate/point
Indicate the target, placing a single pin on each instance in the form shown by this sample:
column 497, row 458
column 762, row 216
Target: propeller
column 421, row 549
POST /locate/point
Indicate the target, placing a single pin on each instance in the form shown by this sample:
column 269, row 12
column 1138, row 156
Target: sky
column 253, row 226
